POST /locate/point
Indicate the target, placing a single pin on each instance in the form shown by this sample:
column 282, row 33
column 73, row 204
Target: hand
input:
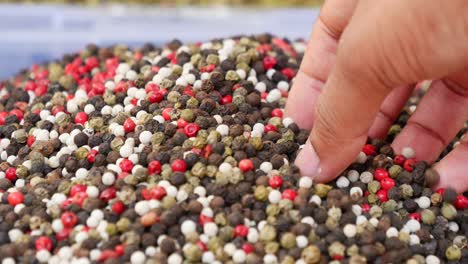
column 360, row 67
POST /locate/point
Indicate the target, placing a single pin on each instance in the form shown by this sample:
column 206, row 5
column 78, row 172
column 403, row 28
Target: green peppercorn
column 267, row 233
column 322, row 190
column 448, row 211
column 453, row 253
column 311, row 254
column 261, row 193
column 123, row 225
column 111, row 229
column 395, row 171
column 428, row 217
column 192, row 252
column 389, row 206
column 406, row 191
column 271, row 247
column 373, row 186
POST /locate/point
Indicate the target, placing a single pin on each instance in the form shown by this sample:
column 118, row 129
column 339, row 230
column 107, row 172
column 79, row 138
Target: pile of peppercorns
column 181, row 154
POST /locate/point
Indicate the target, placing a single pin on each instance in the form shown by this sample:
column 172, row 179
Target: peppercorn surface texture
column 181, row 154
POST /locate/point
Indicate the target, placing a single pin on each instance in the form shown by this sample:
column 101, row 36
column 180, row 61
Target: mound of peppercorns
column 181, row 154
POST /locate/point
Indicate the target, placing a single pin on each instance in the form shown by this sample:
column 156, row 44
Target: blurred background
column 37, row 31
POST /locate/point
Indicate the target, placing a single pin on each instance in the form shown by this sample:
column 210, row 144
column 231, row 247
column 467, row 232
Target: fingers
column 389, row 111
column 386, row 44
column 318, row 60
column 440, row 115
column 453, row 167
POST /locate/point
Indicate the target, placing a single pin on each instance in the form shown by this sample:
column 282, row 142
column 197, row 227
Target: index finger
column 318, row 60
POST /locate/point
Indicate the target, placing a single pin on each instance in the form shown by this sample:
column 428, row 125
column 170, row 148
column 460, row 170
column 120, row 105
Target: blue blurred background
column 31, row 33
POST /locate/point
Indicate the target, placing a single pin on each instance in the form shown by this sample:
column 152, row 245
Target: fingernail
column 308, row 161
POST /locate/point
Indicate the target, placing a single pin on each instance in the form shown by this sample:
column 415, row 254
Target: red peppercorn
column 43, row 242
column 241, row 230
column 158, row 192
column 155, row 97
column 63, row 234
column 415, row 216
column 107, row 254
column 399, row 160
column 166, row 113
column 380, row 174
column 337, row 257
column 129, row 125
column 382, row 195
column 365, row 207
column 126, row 165
column 118, row 207
column 108, row 194
column 77, row 188
column 201, row 245
column 151, row 87
column 269, row 62
column 248, row 248
column 119, row 249
column 409, row 165
column 146, row 194
column 81, row 118
column 10, row 174
column 18, row 113
column 246, row 165
column 289, row 194
column 92, row 155
column 276, row 181
column 288, row 72
column 205, row 219
column 79, row 198
column 3, row 115
column 30, row 86
column 270, row 127
column 461, row 202
column 441, row 191
column 69, row 219
column 181, row 123
column 191, row 129
column 369, row 149
column 15, row 198
column 154, row 167
column 277, row 112
column 179, row 165
column 226, row 100
column 30, row 141
column 387, row 183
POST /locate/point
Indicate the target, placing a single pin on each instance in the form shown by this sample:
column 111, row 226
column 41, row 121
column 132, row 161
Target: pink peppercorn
column 81, row 118
column 269, row 128
column 369, row 149
column 43, row 242
column 246, row 165
column 275, row 181
column 15, row 198
column 154, row 167
column 129, row 125
column 191, row 129
column 289, row 194
column 126, row 165
column 380, row 174
column 69, row 219
column 10, row 174
column 179, row 165
column 241, row 230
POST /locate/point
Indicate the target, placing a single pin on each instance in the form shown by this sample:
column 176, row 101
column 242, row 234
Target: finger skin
column 389, row 111
column 453, row 168
column 386, row 44
column 438, row 118
column 318, row 61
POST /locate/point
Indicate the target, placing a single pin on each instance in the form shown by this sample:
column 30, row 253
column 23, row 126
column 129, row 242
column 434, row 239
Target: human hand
column 360, row 67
